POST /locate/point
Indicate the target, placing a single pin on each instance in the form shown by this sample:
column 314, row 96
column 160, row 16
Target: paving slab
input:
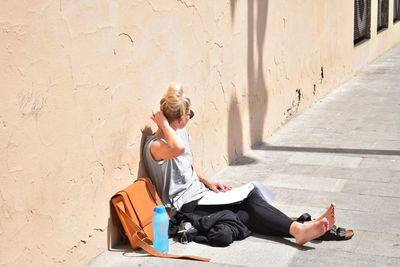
column 344, row 149
column 325, row 159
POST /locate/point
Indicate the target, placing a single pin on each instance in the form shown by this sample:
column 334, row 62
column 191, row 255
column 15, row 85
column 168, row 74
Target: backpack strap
column 141, row 239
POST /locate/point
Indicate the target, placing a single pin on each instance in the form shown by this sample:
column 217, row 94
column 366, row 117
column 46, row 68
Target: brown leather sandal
column 335, row 233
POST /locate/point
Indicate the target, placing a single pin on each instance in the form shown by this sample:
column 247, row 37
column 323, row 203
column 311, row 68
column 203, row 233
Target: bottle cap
column 159, row 209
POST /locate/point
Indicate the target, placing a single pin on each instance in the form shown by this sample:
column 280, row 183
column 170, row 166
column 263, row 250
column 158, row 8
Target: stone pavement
column 344, row 149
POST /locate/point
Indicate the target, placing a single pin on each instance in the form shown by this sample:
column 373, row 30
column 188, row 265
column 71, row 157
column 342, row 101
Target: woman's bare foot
column 330, row 215
column 307, row 232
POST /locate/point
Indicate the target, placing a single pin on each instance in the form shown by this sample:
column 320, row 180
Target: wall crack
column 127, row 35
column 184, row 3
column 217, row 44
column 295, row 104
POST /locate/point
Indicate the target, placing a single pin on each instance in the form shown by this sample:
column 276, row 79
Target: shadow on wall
column 257, row 89
column 233, row 10
column 146, row 131
column 235, row 135
column 256, row 86
column 235, row 128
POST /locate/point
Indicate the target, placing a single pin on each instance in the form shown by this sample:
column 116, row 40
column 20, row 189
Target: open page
column 263, row 191
column 234, row 195
column 237, row 194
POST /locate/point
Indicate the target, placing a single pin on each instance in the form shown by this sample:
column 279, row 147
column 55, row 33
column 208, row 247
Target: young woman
column 168, row 159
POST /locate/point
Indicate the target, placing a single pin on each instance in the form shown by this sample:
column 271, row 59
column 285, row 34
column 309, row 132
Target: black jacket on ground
column 217, row 229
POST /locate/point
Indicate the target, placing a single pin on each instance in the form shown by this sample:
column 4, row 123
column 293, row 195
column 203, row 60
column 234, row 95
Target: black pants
column 259, row 216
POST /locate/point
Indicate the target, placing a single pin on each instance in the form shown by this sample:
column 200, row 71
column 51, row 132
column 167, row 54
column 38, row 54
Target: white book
column 236, row 194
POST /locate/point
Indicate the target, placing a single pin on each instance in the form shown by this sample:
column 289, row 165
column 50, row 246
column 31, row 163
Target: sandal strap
column 305, row 217
column 341, row 231
column 333, row 230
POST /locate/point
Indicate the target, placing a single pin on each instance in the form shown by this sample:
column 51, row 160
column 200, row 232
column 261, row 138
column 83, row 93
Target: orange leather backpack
column 134, row 208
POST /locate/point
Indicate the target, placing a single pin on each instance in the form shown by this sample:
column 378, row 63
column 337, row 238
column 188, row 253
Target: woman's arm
column 173, row 146
column 214, row 186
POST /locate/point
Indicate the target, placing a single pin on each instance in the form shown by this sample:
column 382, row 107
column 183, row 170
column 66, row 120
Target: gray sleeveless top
column 175, row 179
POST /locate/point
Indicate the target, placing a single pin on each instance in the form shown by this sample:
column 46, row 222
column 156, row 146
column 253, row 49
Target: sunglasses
column 191, row 114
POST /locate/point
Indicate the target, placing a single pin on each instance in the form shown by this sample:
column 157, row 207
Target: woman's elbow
column 178, row 150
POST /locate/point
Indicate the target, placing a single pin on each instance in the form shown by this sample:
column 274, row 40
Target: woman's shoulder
column 150, row 139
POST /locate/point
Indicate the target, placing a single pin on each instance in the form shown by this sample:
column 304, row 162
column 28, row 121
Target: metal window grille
column 383, row 14
column 396, row 10
column 362, row 20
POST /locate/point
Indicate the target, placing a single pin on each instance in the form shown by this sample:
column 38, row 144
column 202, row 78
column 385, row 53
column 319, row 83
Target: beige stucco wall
column 80, row 79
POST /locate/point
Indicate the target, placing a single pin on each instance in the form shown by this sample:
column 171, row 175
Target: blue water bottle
column 160, row 227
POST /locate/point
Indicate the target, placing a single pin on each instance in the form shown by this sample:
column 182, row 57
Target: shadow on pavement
column 265, row 146
column 283, row 241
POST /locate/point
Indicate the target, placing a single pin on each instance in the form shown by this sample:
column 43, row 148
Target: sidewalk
column 345, row 149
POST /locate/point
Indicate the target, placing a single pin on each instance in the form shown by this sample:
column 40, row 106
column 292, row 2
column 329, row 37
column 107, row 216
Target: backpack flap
column 129, row 223
column 142, row 197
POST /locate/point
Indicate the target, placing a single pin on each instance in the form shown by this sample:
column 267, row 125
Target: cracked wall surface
column 80, row 79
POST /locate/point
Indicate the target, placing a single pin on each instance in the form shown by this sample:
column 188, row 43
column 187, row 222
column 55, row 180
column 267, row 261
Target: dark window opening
column 383, row 14
column 396, row 10
column 362, row 20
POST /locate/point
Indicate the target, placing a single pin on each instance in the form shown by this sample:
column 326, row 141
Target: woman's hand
column 159, row 119
column 218, row 186
column 214, row 186
column 171, row 145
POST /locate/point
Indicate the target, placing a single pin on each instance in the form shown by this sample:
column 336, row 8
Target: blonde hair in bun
column 174, row 104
